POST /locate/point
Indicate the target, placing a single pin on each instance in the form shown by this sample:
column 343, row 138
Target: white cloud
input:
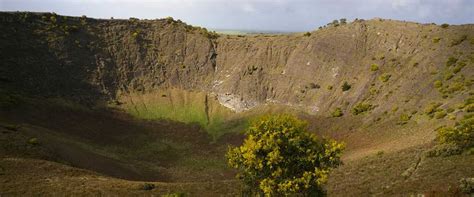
column 289, row 15
column 247, row 7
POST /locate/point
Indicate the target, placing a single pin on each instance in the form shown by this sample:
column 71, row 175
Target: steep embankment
column 391, row 71
column 157, row 69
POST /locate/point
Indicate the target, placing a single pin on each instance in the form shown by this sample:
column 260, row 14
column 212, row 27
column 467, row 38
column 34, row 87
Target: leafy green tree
column 280, row 157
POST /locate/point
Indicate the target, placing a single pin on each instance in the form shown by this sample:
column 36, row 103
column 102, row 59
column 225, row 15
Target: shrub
column 462, row 134
column 444, row 150
column 380, row 153
column 329, row 87
column 279, row 157
column 337, row 112
column 405, row 117
column 451, row 61
column 53, row 19
column 361, row 108
column 469, row 108
column 454, row 87
column 444, row 25
column 467, row 185
column 147, row 186
column 346, row 86
column 459, row 67
column 436, row 40
column 374, row 67
column 385, row 77
column 448, row 76
column 432, row 108
column 169, row 20
column 307, row 34
column 83, row 20
column 33, row 141
column 314, row 86
column 373, row 90
column 395, row 109
column 343, row 21
column 440, row 114
column 438, row 84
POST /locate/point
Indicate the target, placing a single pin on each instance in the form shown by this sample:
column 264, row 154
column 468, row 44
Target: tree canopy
column 280, row 157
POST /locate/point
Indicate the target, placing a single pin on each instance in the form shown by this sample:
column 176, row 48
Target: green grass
column 185, row 107
column 188, row 113
column 193, row 113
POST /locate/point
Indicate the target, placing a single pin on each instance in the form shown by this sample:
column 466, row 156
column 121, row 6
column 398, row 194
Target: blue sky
column 277, row 15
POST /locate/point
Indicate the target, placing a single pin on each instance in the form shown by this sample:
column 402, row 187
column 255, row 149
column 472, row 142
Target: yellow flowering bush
column 462, row 134
column 280, row 157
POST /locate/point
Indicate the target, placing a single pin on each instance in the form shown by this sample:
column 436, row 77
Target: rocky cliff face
column 386, row 63
column 300, row 70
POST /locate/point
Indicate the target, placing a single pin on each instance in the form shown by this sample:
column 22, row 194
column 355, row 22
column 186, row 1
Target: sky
column 263, row 15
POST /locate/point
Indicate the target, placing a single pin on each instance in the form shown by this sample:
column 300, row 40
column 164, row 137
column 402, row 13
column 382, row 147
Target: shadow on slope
column 111, row 142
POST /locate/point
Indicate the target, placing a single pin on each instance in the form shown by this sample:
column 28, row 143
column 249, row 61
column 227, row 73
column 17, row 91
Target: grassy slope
column 149, row 151
column 119, row 145
column 190, row 107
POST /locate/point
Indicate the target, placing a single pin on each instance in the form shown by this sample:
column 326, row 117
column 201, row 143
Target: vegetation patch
column 404, row 118
column 374, row 67
column 440, row 114
column 466, row 185
column 436, row 39
column 147, row 186
column 459, row 67
column 33, row 141
column 182, row 106
column 438, row 84
column 337, row 112
column 361, row 108
column 432, row 108
column 454, row 140
column 451, row 61
column 346, row 86
column 280, row 157
column 385, row 77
